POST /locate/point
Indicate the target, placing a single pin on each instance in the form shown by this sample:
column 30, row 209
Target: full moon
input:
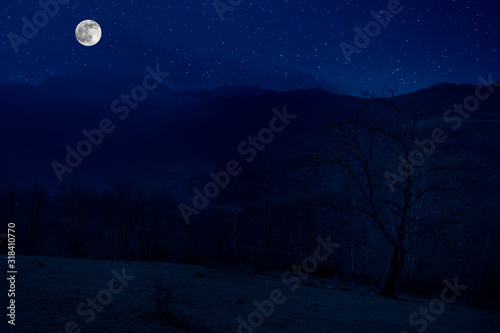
column 88, row 33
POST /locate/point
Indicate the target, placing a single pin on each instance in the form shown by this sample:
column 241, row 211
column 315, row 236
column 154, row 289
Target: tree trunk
column 390, row 281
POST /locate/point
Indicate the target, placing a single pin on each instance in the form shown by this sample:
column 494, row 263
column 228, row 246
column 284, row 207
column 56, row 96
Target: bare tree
column 151, row 214
column 265, row 205
column 235, row 212
column 9, row 204
column 76, row 207
column 386, row 153
column 119, row 209
column 36, row 204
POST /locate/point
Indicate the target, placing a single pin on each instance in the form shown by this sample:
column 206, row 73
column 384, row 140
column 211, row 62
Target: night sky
column 276, row 44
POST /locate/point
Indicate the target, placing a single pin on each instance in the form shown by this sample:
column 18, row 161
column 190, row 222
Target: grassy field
column 49, row 291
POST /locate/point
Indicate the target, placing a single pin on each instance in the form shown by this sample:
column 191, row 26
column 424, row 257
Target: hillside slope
column 49, row 295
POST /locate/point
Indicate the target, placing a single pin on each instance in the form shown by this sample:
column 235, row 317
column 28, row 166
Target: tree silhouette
column 386, row 154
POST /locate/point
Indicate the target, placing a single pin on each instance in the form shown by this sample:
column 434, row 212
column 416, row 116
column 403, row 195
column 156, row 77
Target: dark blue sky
column 275, row 44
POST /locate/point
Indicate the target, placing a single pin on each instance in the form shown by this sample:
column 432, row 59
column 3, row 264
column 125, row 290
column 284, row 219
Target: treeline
column 405, row 199
column 262, row 221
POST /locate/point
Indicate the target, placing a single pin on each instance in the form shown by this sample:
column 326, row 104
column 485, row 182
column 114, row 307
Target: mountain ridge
column 172, row 126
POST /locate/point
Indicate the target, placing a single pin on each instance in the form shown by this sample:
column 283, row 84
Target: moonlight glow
column 88, row 33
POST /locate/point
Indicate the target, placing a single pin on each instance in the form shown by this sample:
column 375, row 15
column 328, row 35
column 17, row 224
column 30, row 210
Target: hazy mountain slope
column 173, row 126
